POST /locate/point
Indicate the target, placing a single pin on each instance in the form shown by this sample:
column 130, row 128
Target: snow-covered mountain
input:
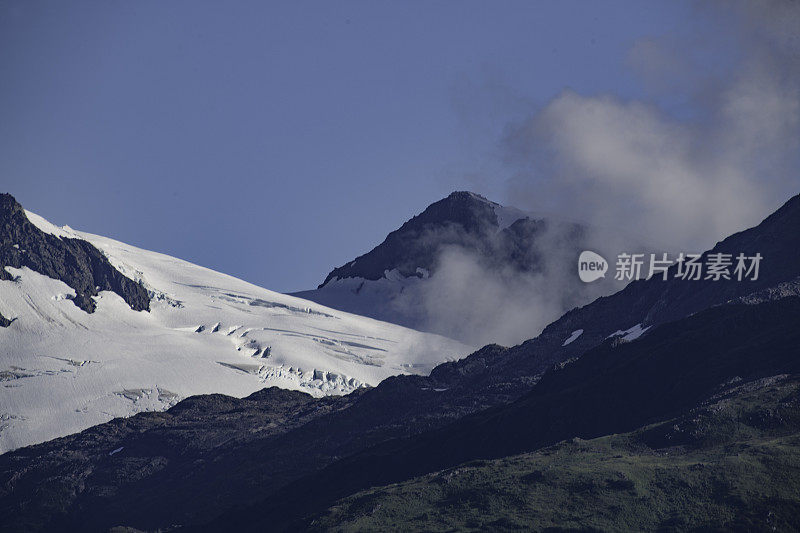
column 93, row 329
column 472, row 269
column 637, row 359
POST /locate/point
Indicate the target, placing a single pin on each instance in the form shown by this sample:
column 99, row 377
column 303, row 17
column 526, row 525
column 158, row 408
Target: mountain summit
column 472, row 269
column 461, row 219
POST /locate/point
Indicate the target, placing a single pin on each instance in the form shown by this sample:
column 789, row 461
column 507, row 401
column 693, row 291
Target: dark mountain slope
column 610, row 389
column 777, row 239
column 731, row 464
column 73, row 261
column 77, row 482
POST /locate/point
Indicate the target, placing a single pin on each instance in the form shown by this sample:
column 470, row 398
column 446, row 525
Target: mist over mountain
column 683, row 178
column 476, row 271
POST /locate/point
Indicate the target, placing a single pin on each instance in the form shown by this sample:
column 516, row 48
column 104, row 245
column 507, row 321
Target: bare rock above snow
column 74, row 261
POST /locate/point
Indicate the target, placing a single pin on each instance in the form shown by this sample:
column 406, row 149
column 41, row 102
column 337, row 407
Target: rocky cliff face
column 73, row 261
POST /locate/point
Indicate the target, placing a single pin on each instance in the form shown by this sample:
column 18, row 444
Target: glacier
column 63, row 370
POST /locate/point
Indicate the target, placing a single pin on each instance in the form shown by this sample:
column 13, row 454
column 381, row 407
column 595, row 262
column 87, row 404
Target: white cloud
column 680, row 181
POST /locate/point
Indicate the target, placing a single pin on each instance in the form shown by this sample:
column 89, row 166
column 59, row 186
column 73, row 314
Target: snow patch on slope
column 573, row 337
column 630, row 334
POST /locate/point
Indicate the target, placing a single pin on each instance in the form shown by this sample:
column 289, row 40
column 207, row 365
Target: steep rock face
column 73, row 261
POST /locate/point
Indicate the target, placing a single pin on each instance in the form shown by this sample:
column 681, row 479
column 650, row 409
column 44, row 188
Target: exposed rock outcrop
column 74, row 261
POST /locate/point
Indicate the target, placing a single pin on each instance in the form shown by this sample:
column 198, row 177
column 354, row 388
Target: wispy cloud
column 501, row 290
column 682, row 179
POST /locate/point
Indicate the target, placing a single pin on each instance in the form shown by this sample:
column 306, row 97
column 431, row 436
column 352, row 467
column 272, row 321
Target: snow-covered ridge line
column 48, row 227
column 63, row 370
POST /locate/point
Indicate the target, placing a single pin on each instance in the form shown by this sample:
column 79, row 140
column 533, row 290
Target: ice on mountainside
column 63, row 369
column 630, row 334
column 573, row 337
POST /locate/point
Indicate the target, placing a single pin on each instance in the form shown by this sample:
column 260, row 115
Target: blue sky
column 276, row 140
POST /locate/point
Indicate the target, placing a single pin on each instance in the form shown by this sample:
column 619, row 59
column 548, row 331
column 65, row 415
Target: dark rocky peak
column 471, row 211
column 74, row 261
column 463, row 218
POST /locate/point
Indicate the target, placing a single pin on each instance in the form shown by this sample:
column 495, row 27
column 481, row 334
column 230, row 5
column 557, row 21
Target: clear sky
column 276, row 140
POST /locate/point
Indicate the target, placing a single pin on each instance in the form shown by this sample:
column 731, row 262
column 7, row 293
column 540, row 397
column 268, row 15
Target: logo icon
column 591, row 266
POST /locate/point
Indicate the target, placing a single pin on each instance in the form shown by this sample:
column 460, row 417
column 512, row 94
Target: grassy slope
column 732, row 463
